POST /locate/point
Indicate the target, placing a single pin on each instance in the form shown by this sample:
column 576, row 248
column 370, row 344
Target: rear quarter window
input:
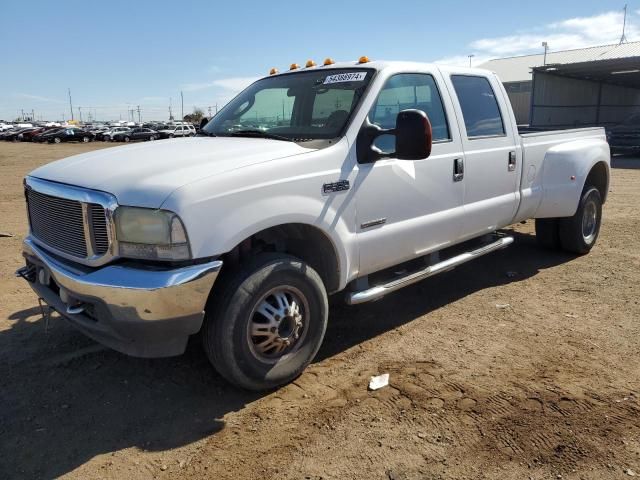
column 480, row 109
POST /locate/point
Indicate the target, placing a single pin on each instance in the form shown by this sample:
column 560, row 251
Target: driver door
column 407, row 209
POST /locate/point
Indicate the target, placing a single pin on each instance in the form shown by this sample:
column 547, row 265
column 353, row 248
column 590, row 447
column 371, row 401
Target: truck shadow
column 66, row 400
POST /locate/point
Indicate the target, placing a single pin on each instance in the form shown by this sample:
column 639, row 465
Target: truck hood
column 145, row 174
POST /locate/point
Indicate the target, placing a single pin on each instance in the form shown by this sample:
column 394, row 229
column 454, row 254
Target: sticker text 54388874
column 345, row 77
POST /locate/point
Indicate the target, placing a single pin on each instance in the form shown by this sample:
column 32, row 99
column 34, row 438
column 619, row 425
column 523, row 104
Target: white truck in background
column 310, row 182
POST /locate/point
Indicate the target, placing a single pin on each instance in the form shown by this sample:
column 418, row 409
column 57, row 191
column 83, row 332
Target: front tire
column 127, row 139
column 578, row 234
column 56, row 140
column 266, row 323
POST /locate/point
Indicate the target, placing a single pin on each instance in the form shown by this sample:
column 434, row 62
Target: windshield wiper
column 259, row 133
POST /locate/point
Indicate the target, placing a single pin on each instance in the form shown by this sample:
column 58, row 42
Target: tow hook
column 27, row 273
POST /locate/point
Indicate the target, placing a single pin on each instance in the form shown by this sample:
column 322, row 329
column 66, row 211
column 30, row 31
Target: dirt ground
column 524, row 364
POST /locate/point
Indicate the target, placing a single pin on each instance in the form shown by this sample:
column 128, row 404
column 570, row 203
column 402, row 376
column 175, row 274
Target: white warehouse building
column 574, row 88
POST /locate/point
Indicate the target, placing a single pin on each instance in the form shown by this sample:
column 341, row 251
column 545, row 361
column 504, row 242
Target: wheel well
column 599, row 178
column 306, row 242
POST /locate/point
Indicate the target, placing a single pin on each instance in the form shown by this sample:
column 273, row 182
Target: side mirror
column 413, row 135
column 413, row 138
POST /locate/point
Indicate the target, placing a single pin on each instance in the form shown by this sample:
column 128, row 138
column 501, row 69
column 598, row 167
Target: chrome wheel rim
column 589, row 221
column 278, row 324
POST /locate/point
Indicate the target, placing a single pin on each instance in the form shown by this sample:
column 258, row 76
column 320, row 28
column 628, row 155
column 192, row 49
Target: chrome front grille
column 57, row 222
column 72, row 222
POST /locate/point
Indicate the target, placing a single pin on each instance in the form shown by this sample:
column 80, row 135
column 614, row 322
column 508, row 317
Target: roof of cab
column 380, row 65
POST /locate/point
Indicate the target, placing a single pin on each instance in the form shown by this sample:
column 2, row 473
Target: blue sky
column 118, row 53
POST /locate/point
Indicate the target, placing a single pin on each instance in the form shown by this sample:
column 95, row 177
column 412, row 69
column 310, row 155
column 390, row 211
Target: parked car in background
column 178, row 131
column 28, row 134
column 625, row 137
column 42, row 136
column 12, row 135
column 135, row 134
column 108, row 135
column 69, row 135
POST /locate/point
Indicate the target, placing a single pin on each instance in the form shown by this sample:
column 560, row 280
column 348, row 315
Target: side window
column 479, row 106
column 405, row 91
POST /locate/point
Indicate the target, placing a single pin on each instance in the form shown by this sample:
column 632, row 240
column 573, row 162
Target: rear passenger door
column 492, row 158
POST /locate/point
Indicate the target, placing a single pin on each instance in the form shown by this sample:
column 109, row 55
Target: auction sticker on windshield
column 345, row 77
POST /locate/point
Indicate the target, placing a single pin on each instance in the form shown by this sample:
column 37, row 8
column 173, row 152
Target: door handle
column 511, row 166
column 458, row 169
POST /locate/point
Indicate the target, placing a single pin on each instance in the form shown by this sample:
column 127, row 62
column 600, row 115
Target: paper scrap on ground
column 376, row 383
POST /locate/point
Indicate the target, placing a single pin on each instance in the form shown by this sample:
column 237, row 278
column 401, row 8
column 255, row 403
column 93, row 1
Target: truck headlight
column 151, row 234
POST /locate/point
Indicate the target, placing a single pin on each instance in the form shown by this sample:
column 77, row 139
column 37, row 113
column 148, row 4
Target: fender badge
column 339, row 186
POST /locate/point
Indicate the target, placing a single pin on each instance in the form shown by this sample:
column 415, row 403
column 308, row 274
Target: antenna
column 623, row 38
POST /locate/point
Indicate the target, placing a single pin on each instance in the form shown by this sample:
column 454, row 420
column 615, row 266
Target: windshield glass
column 315, row 104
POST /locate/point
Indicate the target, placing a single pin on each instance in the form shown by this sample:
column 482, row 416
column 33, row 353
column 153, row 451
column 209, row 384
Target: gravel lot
column 545, row 386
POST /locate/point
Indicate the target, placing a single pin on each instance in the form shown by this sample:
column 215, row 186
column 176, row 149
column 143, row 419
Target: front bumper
column 138, row 311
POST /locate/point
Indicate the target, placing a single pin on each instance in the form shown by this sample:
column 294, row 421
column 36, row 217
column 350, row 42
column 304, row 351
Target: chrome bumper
column 138, row 311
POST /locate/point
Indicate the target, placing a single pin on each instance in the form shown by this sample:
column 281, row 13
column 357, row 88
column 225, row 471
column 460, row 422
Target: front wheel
column 578, row 233
column 86, row 139
column 56, row 140
column 266, row 323
column 127, row 139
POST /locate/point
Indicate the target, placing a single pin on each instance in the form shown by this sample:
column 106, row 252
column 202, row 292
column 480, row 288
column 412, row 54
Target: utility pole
column 470, row 57
column 70, row 104
column 546, row 48
column 139, row 120
column 623, row 38
column 182, row 106
column 80, row 113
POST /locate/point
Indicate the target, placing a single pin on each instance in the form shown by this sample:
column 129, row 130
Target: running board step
column 379, row 291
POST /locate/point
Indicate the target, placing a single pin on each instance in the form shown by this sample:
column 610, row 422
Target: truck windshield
column 311, row 105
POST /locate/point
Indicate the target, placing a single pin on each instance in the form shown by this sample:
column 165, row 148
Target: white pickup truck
column 310, row 182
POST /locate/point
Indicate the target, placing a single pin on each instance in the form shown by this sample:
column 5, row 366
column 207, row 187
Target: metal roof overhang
column 620, row 71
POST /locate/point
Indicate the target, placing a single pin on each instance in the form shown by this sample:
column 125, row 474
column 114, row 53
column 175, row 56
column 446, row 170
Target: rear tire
column 56, row 140
column 547, row 233
column 266, row 322
column 578, row 234
column 127, row 139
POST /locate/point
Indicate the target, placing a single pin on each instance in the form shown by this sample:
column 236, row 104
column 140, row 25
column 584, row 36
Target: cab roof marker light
column 310, row 63
column 328, row 61
column 363, row 59
column 273, row 71
column 294, row 66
